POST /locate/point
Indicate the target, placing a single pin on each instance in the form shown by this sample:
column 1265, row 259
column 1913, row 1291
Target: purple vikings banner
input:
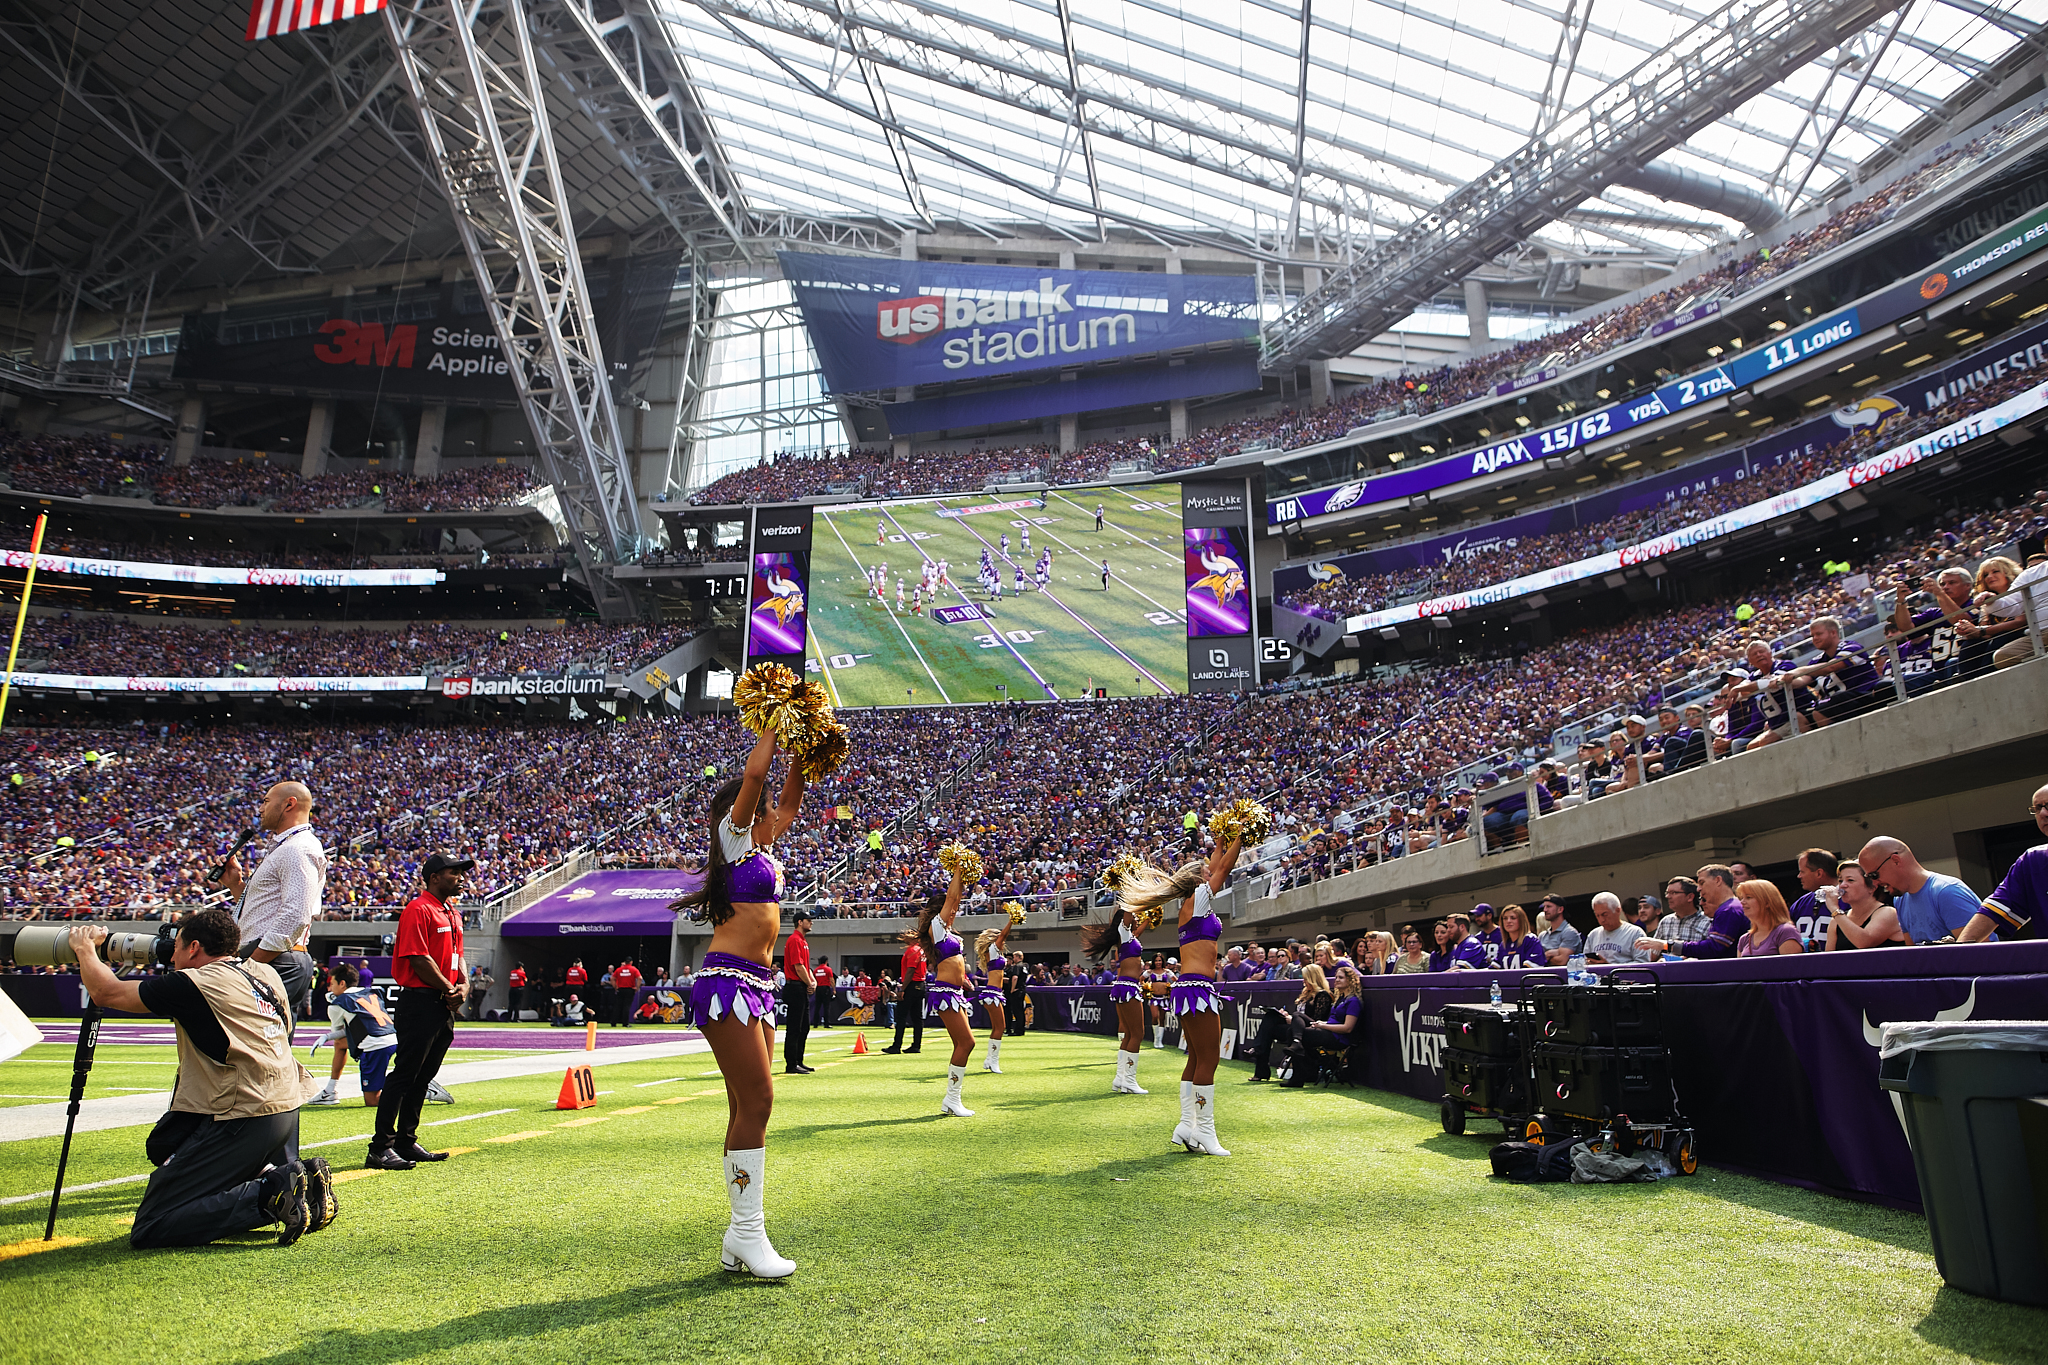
column 777, row 614
column 1219, row 600
column 1215, row 523
column 1774, row 1059
column 623, row 903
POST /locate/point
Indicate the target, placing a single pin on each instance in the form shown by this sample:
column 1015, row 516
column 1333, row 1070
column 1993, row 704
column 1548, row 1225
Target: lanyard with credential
column 250, row 883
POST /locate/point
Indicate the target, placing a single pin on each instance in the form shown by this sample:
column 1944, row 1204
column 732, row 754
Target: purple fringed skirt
column 941, row 996
column 730, row 985
column 1193, row 994
column 1125, row 992
column 990, row 996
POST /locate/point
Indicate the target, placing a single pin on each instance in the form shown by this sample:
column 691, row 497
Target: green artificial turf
column 1073, row 636
column 1056, row 1225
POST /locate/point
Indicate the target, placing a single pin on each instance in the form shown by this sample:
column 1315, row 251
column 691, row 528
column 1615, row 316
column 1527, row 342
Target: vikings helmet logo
column 1225, row 576
column 1873, row 411
column 786, row 599
column 742, row 1179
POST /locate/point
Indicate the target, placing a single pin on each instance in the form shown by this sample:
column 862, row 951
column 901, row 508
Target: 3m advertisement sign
column 434, row 343
column 879, row 324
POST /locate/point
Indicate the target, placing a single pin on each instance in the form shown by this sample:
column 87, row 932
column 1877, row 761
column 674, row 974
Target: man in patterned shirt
column 281, row 899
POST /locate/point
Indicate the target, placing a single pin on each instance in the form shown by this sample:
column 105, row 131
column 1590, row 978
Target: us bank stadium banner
column 433, row 343
column 1984, row 257
column 627, row 903
column 1934, row 443
column 880, row 324
column 778, row 610
column 100, row 682
column 2023, row 352
column 195, row 573
column 524, row 685
column 1215, row 523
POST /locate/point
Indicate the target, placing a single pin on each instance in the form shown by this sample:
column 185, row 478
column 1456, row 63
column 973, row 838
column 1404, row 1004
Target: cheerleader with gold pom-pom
column 1126, row 995
column 946, row 996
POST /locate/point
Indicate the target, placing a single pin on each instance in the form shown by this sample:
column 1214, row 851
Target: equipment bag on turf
column 1533, row 1163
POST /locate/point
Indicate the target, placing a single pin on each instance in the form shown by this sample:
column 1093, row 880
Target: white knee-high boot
column 994, row 1060
column 1184, row 1131
column 1127, row 1074
column 1205, row 1123
column 746, row 1241
column 952, row 1104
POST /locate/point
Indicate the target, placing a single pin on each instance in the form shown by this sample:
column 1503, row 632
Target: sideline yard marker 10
column 579, row 1089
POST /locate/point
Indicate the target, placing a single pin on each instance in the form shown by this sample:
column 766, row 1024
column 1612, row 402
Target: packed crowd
column 215, row 554
column 1335, row 599
column 1413, row 393
column 117, row 646
column 78, row 466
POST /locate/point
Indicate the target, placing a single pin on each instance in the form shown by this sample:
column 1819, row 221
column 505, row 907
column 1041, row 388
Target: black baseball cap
column 441, row 862
column 1552, row 899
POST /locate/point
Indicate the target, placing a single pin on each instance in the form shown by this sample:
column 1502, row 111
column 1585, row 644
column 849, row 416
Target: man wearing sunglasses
column 1932, row 905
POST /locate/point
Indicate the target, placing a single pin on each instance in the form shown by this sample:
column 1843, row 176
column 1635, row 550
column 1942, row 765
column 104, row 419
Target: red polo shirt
column 626, row 978
column 577, row 976
column 913, row 963
column 431, row 930
column 796, row 953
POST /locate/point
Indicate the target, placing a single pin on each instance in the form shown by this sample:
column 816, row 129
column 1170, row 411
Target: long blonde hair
column 2010, row 569
column 1313, row 984
column 1148, row 886
column 983, row 941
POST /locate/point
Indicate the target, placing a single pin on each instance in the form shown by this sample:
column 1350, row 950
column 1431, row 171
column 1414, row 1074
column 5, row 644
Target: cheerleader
column 1194, row 992
column 1097, row 940
column 734, row 998
column 1158, row 994
column 946, row 998
column 988, row 946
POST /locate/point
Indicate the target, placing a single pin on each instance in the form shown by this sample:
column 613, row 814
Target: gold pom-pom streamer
column 1015, row 910
column 825, row 752
column 1119, row 873
column 1243, row 821
column 958, row 857
column 805, row 718
column 760, row 696
column 1150, row 918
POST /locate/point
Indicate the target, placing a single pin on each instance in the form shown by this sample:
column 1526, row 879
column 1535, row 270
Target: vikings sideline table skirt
column 1775, row 1059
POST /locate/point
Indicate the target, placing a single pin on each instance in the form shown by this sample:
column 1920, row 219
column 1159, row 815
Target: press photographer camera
column 227, row 1151
column 49, row 945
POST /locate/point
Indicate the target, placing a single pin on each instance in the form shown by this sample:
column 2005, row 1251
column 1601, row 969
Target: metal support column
column 470, row 73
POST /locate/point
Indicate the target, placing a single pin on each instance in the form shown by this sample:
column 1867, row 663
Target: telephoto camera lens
column 49, row 945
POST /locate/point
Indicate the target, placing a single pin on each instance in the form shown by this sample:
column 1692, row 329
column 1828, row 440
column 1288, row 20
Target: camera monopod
column 81, row 1067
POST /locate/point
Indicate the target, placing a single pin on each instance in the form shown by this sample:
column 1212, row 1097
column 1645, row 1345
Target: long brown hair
column 922, row 934
column 1100, row 940
column 713, row 900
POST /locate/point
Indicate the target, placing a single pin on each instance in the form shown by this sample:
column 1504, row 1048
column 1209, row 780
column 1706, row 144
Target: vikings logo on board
column 1225, row 576
column 786, row 597
column 1323, row 573
column 1873, row 411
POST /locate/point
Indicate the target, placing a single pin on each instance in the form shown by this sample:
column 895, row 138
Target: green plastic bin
column 1960, row 1090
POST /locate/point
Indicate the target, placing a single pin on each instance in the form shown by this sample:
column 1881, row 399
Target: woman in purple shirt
column 1329, row 1038
column 1770, row 922
column 1519, row 948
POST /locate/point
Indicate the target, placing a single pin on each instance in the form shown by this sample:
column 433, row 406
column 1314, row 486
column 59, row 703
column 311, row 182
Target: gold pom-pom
column 760, row 694
column 1015, row 910
column 1119, row 873
column 804, row 718
column 1242, row 821
column 958, row 857
column 1150, row 918
column 826, row 751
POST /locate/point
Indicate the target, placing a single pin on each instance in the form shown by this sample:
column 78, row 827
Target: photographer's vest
column 260, row 1076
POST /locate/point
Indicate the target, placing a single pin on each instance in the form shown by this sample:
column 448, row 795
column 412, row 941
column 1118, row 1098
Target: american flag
column 269, row 18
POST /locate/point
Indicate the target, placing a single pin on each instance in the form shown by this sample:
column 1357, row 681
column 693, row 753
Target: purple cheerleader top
column 944, row 943
column 1205, row 924
column 996, row 964
column 753, row 875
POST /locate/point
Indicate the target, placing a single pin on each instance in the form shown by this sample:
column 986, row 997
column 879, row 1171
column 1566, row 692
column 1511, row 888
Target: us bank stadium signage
column 2000, row 249
column 524, row 685
column 880, row 324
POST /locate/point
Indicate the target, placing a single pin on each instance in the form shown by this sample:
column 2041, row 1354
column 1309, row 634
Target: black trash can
column 1960, row 1088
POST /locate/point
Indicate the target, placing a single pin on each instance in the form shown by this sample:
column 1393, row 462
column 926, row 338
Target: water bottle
column 1575, row 970
column 1495, row 993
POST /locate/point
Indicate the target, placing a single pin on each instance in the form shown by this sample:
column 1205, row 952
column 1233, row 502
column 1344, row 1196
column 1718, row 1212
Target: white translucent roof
column 1205, row 117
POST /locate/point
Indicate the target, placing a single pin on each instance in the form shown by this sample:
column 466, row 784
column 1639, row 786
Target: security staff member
column 426, row 962
column 1191, row 825
column 625, row 988
column 517, row 989
column 226, row 1153
column 798, row 982
column 282, row 899
column 911, row 1010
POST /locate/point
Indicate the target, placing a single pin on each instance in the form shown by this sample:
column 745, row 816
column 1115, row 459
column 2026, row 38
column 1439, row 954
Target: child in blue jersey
column 358, row 1025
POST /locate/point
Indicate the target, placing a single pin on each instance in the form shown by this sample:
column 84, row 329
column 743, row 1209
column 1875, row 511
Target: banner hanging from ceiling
column 881, row 324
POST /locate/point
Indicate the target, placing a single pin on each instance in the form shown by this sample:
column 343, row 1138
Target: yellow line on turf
column 585, row 1123
column 719, row 1091
column 9, row 1251
column 678, row 1099
column 636, row 1109
column 824, row 665
column 460, row 1151
column 344, row 1177
column 519, row 1137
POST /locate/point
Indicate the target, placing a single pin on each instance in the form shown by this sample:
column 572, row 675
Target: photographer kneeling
column 227, row 1151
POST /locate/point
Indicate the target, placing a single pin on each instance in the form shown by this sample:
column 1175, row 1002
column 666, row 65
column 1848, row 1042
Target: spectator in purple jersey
column 1440, row 956
column 1840, row 675
column 1770, row 932
column 1818, row 869
column 1234, row 966
column 1486, row 933
column 1929, row 659
column 1773, row 704
column 2022, row 897
column 1466, row 953
column 1728, row 924
column 1519, row 947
